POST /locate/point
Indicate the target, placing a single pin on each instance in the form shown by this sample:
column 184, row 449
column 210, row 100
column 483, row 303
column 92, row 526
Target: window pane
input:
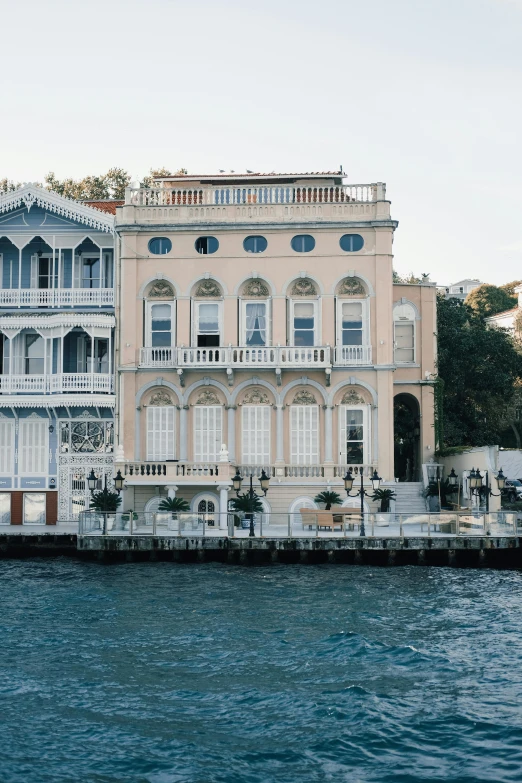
column 208, row 317
column 160, row 246
column 161, row 340
column 352, row 315
column 303, row 338
column 160, row 326
column 160, row 311
column 354, row 454
column 255, row 244
column 5, row 508
column 404, row 335
column 206, row 245
column 302, row 243
column 34, row 508
column 304, row 308
column 351, row 243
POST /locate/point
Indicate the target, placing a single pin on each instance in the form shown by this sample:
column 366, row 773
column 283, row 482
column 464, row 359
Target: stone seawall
column 465, row 552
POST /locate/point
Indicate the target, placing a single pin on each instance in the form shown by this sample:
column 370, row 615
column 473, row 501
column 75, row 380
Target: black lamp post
column 348, row 484
column 119, row 482
column 264, row 482
column 92, row 481
column 477, row 488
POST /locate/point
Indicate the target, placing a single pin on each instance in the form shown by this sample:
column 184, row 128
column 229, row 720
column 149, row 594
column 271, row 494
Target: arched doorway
column 406, row 437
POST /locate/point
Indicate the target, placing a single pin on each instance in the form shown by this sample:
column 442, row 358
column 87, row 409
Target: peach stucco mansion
column 258, row 327
column 204, row 324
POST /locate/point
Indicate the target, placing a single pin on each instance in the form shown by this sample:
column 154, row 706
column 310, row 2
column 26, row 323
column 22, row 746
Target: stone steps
column 409, row 498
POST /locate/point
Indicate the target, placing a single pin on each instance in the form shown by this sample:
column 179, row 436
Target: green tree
column 157, row 173
column 510, row 287
column 105, row 186
column 411, row 278
column 479, row 370
column 7, row 185
column 329, row 499
column 489, row 300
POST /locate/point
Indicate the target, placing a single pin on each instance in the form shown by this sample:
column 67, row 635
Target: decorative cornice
column 31, row 194
column 351, row 286
column 303, row 287
column 256, row 397
column 160, row 398
column 208, row 397
column 304, row 397
column 57, row 400
column 161, row 290
column 56, row 319
column 352, row 397
column 256, row 288
column 208, row 288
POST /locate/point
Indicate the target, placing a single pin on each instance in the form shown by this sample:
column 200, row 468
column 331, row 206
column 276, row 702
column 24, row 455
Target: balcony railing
column 56, row 297
column 252, row 194
column 349, row 355
column 143, row 471
column 318, row 356
column 59, row 383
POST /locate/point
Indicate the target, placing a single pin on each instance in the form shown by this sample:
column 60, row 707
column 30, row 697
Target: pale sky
column 424, row 95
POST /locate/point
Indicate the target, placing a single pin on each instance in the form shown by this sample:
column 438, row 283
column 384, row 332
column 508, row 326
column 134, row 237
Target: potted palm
column 329, row 498
column 384, row 495
column 106, row 502
column 246, row 508
column 174, row 506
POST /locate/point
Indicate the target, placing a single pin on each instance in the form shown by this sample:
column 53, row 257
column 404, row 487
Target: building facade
column 259, row 327
column 56, row 354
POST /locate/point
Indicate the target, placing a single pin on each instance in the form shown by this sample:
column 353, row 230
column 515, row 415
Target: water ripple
column 163, row 673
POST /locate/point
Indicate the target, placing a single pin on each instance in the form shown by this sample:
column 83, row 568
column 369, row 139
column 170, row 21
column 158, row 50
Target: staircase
column 409, row 498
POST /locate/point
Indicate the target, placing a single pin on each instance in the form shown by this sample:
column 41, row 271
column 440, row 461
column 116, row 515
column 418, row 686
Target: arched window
column 160, row 246
column 304, row 429
column 302, row 243
column 208, row 426
column 255, row 428
column 161, row 426
column 255, row 244
column 160, row 320
column 404, row 333
column 353, row 327
column 255, row 314
column 207, row 511
column 351, row 243
column 207, row 316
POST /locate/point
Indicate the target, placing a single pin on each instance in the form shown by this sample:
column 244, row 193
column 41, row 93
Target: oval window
column 206, row 245
column 303, row 243
column 160, row 246
column 255, row 244
column 351, row 243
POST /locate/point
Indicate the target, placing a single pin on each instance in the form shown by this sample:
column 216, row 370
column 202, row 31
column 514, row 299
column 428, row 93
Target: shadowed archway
column 406, row 437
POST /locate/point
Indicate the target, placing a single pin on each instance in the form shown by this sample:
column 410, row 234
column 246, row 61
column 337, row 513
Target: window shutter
column 2, row 272
column 34, row 271
column 304, row 434
column 33, row 447
column 7, row 430
column 208, row 435
column 77, row 269
column 161, row 433
column 16, row 346
column 256, row 434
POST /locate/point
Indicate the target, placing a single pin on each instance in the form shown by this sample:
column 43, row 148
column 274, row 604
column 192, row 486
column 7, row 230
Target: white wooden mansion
column 56, row 354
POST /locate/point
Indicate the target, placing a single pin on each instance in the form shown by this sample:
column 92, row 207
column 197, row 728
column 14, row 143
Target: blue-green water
column 168, row 673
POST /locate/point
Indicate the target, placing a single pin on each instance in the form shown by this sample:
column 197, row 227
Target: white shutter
column 304, row 434
column 77, row 268
column 33, row 447
column 16, row 355
column 161, row 432
column 256, row 434
column 2, row 272
column 7, row 431
column 208, row 436
column 34, row 271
